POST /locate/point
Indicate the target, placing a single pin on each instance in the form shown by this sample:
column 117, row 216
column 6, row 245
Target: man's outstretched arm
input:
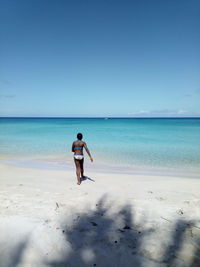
column 87, row 150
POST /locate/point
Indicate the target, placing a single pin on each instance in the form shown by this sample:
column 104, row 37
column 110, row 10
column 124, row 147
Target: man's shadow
column 84, row 178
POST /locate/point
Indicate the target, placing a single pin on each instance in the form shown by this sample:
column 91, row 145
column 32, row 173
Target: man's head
column 79, row 136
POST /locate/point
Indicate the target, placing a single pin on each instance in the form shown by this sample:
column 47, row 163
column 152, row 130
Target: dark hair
column 79, row 136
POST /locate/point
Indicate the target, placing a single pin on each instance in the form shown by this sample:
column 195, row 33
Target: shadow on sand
column 104, row 238
column 87, row 178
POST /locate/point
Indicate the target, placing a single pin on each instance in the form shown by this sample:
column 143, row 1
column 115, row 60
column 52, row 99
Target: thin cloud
column 182, row 112
column 163, row 112
column 196, row 91
column 170, row 112
column 7, row 96
column 192, row 93
column 5, row 82
column 142, row 112
column 187, row 95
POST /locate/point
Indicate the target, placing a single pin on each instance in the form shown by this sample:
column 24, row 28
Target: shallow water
column 171, row 144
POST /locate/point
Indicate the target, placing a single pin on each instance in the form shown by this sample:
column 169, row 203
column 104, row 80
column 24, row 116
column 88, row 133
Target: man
column 77, row 148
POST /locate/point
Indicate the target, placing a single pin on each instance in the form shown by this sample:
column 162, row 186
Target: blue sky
column 100, row 58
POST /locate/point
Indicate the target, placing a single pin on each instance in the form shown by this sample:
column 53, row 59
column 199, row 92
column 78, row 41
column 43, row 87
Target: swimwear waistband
column 78, row 157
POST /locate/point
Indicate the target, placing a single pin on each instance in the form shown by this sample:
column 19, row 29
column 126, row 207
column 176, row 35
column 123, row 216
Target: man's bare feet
column 79, row 182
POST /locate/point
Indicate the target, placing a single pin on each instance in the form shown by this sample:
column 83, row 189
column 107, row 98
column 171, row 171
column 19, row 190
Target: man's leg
column 78, row 171
column 82, row 168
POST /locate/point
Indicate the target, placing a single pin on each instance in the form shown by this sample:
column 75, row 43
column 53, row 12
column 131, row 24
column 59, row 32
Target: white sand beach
column 46, row 219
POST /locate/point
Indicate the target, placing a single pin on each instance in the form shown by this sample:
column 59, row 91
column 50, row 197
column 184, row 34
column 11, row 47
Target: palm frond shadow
column 107, row 237
column 196, row 255
column 16, row 255
column 98, row 238
column 181, row 229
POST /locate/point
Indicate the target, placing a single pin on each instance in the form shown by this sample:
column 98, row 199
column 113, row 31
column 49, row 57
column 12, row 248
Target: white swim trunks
column 78, row 157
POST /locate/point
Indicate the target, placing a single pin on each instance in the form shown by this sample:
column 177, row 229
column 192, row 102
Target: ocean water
column 134, row 144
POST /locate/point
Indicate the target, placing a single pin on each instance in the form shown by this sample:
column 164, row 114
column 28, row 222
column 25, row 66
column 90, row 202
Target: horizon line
column 98, row 117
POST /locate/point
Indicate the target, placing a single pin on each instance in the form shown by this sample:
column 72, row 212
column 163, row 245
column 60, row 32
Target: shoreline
column 61, row 164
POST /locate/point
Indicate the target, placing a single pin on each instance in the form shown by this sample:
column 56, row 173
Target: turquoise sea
column 133, row 144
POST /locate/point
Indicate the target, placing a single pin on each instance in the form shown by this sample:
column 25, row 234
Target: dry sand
column 46, row 219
